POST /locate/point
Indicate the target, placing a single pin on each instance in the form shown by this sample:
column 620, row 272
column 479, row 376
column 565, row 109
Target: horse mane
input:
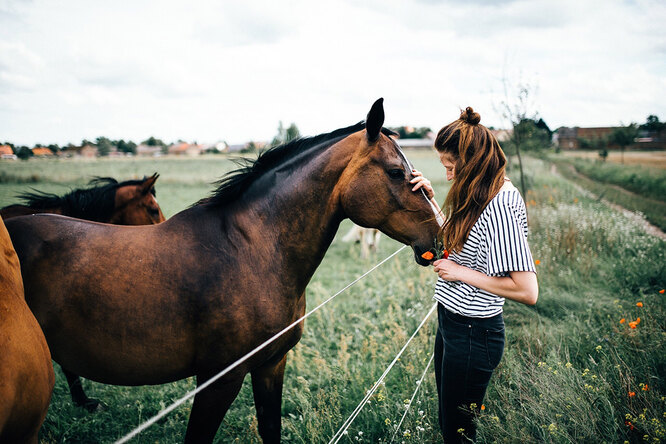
column 234, row 183
column 94, row 203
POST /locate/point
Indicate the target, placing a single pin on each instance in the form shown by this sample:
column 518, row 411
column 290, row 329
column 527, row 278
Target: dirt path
column 637, row 217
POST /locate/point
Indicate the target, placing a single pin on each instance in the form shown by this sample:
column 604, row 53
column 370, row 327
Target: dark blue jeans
column 467, row 350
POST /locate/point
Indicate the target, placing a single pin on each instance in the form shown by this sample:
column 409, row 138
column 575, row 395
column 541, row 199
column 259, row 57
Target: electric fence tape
column 340, row 433
column 418, row 386
column 190, row 394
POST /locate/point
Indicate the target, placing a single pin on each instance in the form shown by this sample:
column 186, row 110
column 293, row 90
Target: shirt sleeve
column 508, row 249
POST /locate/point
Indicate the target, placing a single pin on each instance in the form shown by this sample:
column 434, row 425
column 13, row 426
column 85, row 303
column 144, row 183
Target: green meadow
column 587, row 364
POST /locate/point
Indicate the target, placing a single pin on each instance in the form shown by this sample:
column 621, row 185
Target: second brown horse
column 190, row 296
column 132, row 202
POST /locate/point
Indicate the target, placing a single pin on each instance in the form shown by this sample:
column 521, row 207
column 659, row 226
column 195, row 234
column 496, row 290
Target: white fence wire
column 203, row 386
column 357, row 410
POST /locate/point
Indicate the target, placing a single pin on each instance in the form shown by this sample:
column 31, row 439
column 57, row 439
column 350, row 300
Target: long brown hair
column 478, row 174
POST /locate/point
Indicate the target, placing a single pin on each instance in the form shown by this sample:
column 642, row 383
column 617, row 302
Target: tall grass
column 641, row 179
column 569, row 369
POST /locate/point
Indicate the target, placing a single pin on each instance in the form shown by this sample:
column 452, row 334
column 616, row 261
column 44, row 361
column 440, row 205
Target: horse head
column 376, row 191
column 137, row 205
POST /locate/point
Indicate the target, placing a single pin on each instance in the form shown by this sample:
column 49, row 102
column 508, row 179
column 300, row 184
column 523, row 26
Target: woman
column 485, row 233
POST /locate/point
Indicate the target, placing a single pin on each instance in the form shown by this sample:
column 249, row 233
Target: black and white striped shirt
column 497, row 244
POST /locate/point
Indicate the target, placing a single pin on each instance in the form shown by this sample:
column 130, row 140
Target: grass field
column 574, row 369
column 655, row 159
column 638, row 187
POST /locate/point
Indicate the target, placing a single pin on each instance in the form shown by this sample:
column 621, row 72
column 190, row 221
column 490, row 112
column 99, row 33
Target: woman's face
column 449, row 163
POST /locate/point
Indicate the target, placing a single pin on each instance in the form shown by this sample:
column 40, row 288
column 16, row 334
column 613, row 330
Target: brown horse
column 26, row 371
column 190, row 296
column 131, row 202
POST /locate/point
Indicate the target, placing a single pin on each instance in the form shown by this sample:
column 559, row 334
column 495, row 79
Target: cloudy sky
column 231, row 70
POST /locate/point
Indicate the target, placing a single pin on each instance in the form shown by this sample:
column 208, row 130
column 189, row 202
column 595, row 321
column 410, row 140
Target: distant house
column 7, row 153
column 568, row 138
column 248, row 146
column 88, row 151
column 149, row 150
column 41, row 151
column 502, row 135
column 185, row 149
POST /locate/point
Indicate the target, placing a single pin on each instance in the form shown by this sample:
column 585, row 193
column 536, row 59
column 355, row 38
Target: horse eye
column 396, row 173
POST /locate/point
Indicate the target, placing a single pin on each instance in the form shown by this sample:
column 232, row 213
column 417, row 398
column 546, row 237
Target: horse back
column 16, row 210
column 26, row 372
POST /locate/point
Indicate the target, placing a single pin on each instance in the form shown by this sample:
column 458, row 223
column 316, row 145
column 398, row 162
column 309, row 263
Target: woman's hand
column 421, row 182
column 447, row 269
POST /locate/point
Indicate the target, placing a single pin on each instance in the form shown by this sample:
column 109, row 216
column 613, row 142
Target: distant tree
column 250, row 147
column 408, row 132
column 516, row 108
column 597, row 143
column 653, row 124
column 54, row 148
column 285, row 135
column 24, row 153
column 603, row 154
column 104, row 146
column 532, row 135
column 152, row 141
column 623, row 136
column 126, row 147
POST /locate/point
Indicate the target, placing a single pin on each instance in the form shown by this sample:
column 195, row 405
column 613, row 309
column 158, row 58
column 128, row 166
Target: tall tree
column 516, row 109
column 285, row 135
column 104, row 146
column 623, row 136
column 653, row 124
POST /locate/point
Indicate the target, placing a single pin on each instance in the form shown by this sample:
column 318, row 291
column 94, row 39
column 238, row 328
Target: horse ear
column 149, row 183
column 375, row 120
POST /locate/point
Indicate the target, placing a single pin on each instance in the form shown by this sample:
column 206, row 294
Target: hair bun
column 469, row 116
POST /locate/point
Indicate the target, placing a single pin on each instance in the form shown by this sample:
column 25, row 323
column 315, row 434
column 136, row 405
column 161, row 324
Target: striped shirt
column 496, row 245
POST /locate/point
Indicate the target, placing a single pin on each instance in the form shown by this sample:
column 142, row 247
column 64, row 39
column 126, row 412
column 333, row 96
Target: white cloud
column 212, row 70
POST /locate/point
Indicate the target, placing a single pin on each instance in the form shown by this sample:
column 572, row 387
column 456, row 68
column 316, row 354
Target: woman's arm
column 519, row 286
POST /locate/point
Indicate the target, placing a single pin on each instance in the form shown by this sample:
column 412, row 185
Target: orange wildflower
column 537, row 262
column 483, row 407
column 629, row 424
column 622, row 321
column 633, row 324
column 638, row 321
column 427, row 255
column 645, row 388
column 632, row 394
column 662, row 291
column 639, row 304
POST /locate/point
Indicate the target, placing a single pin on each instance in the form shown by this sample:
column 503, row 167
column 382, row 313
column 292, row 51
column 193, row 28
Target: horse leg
column 78, row 395
column 210, row 406
column 267, row 389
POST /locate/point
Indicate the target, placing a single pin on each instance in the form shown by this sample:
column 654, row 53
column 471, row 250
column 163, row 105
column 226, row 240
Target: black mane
column 234, row 183
column 95, row 203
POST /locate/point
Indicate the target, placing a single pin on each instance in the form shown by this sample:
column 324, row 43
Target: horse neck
column 293, row 214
